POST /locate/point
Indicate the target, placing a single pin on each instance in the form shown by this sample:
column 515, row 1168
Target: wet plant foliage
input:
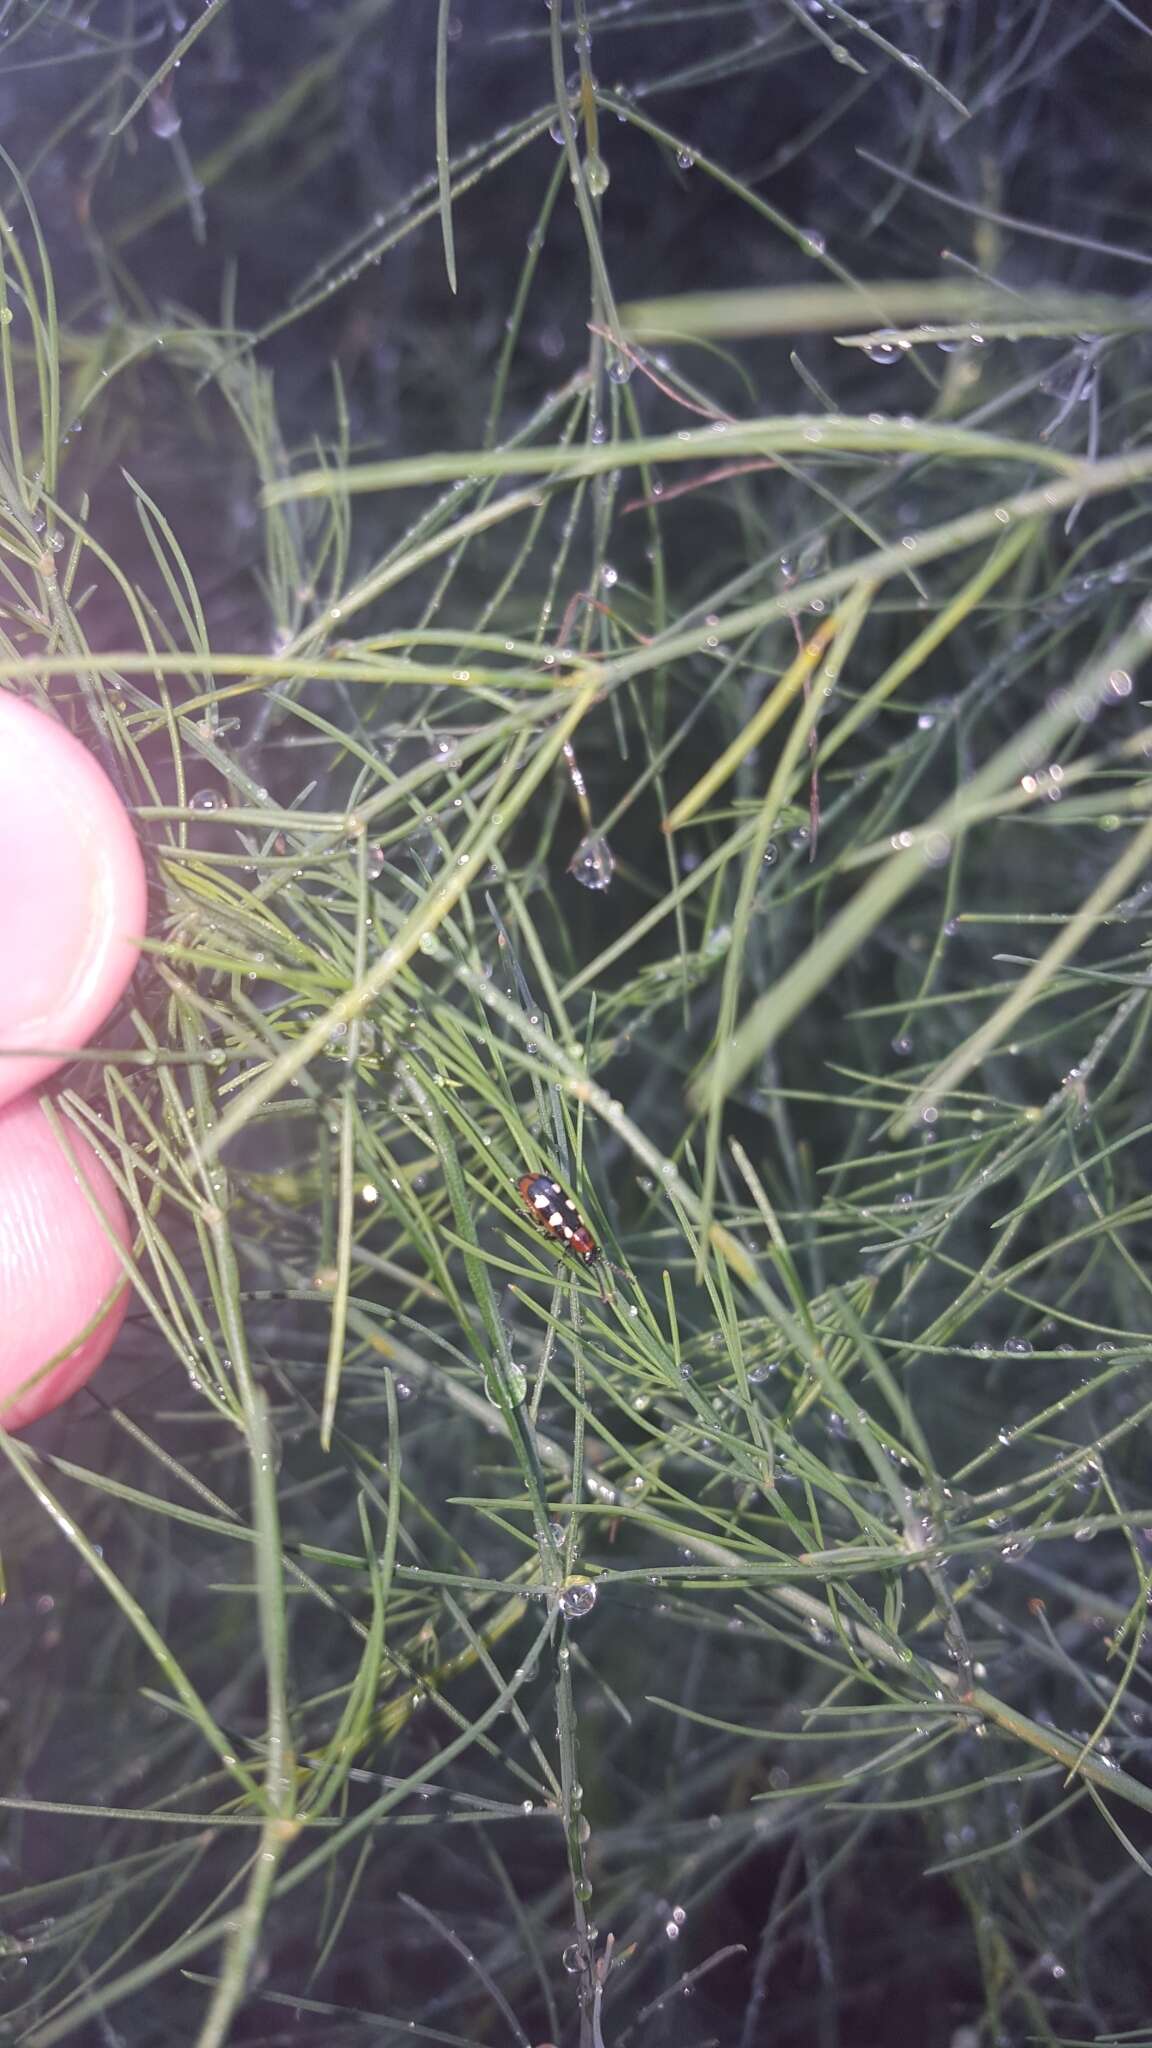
column 607, row 548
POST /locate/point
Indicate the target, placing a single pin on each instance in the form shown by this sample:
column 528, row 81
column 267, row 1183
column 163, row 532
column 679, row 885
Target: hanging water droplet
column 597, row 176
column 514, row 1392
column 685, row 160
column 570, row 1960
column 208, row 800
column 163, row 115
column 593, row 864
column 577, row 1598
column 902, row 1045
column 375, row 862
column 885, row 353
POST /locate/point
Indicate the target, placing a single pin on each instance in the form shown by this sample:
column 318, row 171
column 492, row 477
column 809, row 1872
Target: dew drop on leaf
column 596, row 176
column 593, row 864
column 577, row 1598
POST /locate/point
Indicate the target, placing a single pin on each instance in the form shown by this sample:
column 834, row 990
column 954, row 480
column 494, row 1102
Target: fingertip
column 73, row 901
column 62, row 1290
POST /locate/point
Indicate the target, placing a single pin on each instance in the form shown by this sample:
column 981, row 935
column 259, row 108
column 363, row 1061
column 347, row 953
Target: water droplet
column 163, row 116
column 885, row 353
column 812, row 241
column 902, row 1045
column 597, row 176
column 593, row 863
column 685, row 160
column 570, row 1960
column 577, row 1598
column 208, row 800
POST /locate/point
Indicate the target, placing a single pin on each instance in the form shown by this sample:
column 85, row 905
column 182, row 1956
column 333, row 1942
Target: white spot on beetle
column 555, row 1220
column 541, row 1201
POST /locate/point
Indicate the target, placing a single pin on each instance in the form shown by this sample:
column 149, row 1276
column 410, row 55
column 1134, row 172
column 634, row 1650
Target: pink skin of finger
column 72, row 911
column 60, row 1222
